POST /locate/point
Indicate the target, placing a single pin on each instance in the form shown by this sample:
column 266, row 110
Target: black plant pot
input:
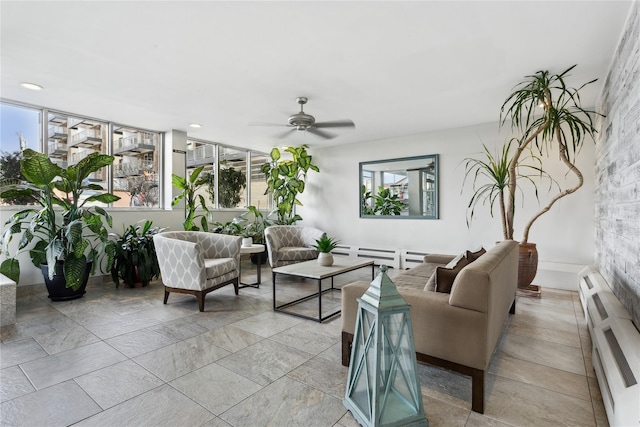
column 57, row 287
column 260, row 257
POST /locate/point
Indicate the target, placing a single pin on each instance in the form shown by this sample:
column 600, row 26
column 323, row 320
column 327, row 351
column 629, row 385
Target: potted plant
column 192, row 201
column 548, row 115
column 255, row 229
column 132, row 255
column 325, row 245
column 65, row 237
column 286, row 179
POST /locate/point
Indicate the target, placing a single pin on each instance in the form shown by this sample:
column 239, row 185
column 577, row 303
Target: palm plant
column 67, row 228
column 491, row 181
column 563, row 121
column 192, row 201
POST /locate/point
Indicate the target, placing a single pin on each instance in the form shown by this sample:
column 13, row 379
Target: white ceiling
column 394, row 68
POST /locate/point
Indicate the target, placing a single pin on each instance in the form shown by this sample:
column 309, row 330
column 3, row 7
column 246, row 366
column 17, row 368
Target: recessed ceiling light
column 195, row 125
column 31, row 86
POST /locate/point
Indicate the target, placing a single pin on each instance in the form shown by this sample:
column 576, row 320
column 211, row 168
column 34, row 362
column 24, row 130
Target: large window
column 134, row 176
column 227, row 180
column 19, row 129
column 71, row 139
column 135, row 168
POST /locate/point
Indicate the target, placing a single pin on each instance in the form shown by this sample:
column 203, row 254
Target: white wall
column 331, row 202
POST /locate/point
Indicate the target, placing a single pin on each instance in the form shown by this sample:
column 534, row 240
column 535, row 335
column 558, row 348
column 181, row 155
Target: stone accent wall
column 617, row 192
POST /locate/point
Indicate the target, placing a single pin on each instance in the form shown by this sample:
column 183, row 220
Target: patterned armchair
column 288, row 244
column 194, row 262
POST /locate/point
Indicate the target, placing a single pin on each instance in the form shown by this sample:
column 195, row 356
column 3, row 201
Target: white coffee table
column 253, row 249
column 313, row 270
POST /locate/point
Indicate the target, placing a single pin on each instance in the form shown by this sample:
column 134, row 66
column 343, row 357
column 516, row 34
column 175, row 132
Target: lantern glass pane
column 397, row 370
column 364, row 348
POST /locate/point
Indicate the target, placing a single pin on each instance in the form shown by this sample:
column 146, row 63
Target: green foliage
column 387, row 203
column 547, row 113
column 326, row 244
column 132, row 254
column 75, row 233
column 286, row 179
column 367, row 202
column 10, row 174
column 192, row 201
column 491, row 180
column 230, row 184
column 255, row 228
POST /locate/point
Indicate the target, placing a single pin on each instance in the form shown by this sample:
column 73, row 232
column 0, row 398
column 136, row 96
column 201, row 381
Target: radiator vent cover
column 588, row 282
column 601, row 310
column 621, row 361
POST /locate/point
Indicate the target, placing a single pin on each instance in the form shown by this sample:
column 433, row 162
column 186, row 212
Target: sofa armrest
column 439, row 329
column 438, row 258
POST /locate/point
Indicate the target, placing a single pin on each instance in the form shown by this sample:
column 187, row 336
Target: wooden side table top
column 253, row 249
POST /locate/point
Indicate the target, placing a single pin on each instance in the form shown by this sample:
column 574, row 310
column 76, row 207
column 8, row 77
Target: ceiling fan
column 307, row 123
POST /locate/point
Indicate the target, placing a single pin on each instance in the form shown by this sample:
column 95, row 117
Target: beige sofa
column 457, row 330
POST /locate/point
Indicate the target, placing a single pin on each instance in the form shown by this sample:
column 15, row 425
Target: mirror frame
column 433, row 157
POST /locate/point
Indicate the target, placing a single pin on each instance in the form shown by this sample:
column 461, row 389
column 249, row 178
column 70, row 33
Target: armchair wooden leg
column 477, row 390
column 166, row 295
column 347, row 339
column 200, row 296
column 236, row 285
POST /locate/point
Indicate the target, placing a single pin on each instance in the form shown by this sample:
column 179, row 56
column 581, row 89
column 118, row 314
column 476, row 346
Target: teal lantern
column 383, row 388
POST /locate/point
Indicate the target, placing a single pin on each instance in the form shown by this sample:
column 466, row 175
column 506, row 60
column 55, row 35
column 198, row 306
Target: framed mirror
column 400, row 188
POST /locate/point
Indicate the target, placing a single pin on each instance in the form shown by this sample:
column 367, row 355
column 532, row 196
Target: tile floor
column 119, row 357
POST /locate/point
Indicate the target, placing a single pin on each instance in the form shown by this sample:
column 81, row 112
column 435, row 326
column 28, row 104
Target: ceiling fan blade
column 265, row 124
column 318, row 132
column 335, row 124
column 285, row 134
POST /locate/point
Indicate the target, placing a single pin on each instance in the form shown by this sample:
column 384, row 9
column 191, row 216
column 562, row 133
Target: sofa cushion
column 296, row 253
column 445, row 276
column 216, row 267
column 472, row 256
column 405, row 281
column 422, row 270
column 431, row 283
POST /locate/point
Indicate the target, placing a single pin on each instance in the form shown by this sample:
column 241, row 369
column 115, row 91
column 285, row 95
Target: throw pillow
column 446, row 276
column 472, row 256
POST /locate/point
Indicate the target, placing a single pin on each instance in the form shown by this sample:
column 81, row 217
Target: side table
column 253, row 249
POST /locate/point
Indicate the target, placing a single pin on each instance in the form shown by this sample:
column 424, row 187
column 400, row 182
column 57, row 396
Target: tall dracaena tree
column 547, row 113
column 490, row 180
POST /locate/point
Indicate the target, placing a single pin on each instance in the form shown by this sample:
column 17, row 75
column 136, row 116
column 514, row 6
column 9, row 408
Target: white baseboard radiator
column 616, row 349
column 396, row 258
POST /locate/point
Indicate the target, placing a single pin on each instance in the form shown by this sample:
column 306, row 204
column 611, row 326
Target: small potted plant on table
column 325, row 245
